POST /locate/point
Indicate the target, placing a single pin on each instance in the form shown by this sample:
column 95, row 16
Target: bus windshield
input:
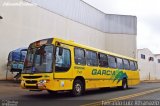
column 39, row 60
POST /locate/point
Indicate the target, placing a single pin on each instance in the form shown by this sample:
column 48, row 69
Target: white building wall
column 22, row 25
column 157, row 67
column 81, row 12
column 147, row 68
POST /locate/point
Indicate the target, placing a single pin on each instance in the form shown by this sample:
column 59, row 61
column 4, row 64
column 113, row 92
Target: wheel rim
column 125, row 85
column 78, row 88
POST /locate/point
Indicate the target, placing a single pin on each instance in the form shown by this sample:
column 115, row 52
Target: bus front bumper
column 34, row 84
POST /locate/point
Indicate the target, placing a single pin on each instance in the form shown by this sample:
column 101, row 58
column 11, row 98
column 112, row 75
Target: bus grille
column 31, row 81
column 31, row 87
column 31, row 77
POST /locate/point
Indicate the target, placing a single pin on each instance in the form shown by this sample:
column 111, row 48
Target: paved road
column 11, row 92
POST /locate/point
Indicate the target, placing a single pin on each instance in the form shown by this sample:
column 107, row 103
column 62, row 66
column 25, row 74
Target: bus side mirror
column 60, row 51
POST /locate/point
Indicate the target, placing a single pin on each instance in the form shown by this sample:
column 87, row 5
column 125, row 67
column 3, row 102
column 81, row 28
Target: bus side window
column 132, row 65
column 63, row 61
column 79, row 56
column 91, row 58
column 126, row 64
column 103, row 61
column 136, row 65
column 112, row 62
column 119, row 63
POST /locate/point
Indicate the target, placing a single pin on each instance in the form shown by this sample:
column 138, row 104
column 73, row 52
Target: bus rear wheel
column 124, row 84
column 78, row 88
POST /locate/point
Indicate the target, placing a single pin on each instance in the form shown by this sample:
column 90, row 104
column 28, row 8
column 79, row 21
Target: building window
column 151, row 59
column 143, row 56
column 1, row 17
column 158, row 60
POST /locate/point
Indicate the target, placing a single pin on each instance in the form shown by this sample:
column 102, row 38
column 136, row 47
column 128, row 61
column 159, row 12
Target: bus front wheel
column 78, row 88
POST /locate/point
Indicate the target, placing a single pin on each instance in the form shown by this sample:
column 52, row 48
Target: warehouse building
column 149, row 64
column 24, row 21
column 157, row 66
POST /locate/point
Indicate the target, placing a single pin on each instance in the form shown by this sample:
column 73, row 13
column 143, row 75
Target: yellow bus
column 58, row 65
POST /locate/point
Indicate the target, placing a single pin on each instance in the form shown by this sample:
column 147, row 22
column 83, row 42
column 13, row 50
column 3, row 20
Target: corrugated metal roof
column 81, row 12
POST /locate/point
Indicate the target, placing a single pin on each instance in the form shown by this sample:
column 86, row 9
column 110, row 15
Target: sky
column 148, row 18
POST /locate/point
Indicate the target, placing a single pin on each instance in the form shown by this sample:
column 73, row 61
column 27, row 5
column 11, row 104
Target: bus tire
column 124, row 84
column 78, row 88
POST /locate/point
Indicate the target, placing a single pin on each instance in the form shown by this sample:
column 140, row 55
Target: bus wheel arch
column 78, row 86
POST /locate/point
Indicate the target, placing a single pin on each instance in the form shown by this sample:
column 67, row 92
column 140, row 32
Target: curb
column 10, row 81
column 151, row 81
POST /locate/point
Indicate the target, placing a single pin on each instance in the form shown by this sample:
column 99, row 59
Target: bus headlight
column 42, row 81
column 22, row 81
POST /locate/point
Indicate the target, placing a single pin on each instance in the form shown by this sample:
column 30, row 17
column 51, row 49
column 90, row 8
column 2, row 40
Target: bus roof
column 69, row 42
